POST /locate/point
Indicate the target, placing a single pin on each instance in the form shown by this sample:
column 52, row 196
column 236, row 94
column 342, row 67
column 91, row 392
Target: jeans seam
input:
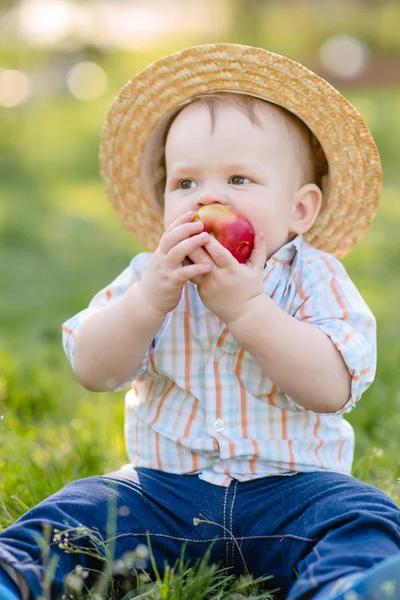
column 171, row 537
column 224, row 537
column 225, row 528
column 278, row 537
column 231, row 523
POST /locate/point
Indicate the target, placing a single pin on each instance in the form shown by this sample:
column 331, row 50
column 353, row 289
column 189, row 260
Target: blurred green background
column 61, row 64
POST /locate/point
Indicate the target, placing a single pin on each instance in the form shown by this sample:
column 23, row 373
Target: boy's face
column 250, row 168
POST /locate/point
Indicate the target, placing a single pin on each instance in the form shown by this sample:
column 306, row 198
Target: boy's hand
column 163, row 281
column 229, row 288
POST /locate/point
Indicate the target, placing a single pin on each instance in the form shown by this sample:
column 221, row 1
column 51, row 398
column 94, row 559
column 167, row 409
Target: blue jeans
column 307, row 530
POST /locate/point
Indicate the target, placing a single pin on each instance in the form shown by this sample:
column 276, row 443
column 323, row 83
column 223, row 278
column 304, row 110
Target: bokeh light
column 344, row 55
column 86, row 80
column 120, row 23
column 15, row 87
column 45, row 21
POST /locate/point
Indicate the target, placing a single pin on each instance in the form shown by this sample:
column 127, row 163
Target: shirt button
column 217, row 355
column 218, row 425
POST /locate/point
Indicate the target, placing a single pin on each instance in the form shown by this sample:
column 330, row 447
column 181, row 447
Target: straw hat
column 131, row 149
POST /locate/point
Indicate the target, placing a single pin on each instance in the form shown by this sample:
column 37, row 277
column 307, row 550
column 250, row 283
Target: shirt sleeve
column 112, row 292
column 328, row 299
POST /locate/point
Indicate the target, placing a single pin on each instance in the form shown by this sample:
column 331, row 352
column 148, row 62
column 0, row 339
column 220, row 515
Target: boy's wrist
column 246, row 317
column 136, row 301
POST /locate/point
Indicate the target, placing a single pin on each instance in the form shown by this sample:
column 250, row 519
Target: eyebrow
column 234, row 167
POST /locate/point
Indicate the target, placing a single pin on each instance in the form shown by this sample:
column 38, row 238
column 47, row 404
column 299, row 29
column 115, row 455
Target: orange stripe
column 152, row 364
column 243, row 407
column 345, row 339
column 135, row 389
column 362, row 372
column 158, row 453
column 218, row 385
column 188, row 348
column 217, row 391
column 271, row 395
column 284, row 429
column 316, row 430
column 303, row 297
column 285, row 437
column 195, row 460
column 222, row 337
column 256, row 449
column 245, row 432
column 226, row 481
column 188, row 360
column 160, row 404
column 149, row 390
column 268, row 275
column 291, row 456
column 328, row 265
column 108, row 293
column 68, row 331
column 218, row 394
column 339, row 299
column 187, row 432
column 253, row 461
column 283, row 262
column 302, row 309
column 231, row 447
column 341, row 453
column 191, row 418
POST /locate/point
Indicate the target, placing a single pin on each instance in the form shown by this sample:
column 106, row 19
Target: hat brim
column 145, row 102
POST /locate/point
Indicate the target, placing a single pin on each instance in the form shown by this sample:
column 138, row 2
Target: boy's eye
column 239, row 180
column 187, row 184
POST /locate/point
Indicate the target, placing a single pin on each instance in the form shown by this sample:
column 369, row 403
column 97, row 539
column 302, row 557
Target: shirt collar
column 285, row 253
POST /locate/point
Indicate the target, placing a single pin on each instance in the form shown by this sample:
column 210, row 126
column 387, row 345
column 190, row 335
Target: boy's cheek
column 173, row 211
column 169, row 216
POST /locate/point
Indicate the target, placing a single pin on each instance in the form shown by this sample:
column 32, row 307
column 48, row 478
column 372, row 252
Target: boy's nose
column 211, row 198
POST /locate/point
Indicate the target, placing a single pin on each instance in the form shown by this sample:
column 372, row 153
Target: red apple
column 233, row 230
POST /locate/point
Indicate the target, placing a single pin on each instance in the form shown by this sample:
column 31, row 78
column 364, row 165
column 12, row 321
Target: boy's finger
column 199, row 256
column 220, row 255
column 192, row 272
column 186, row 218
column 186, row 247
column 179, row 233
column 258, row 256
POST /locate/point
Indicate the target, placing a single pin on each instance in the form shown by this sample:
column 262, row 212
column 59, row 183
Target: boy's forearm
column 111, row 344
column 297, row 356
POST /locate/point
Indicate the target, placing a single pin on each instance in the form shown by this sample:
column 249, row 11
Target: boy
column 239, row 373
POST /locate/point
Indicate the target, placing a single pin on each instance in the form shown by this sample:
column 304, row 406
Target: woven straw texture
column 351, row 196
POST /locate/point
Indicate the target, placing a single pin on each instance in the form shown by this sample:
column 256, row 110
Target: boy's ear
column 306, row 207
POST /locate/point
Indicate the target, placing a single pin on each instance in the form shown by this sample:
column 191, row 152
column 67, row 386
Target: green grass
column 60, row 242
column 125, row 578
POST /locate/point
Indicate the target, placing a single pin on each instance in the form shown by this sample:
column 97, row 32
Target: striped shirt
column 201, row 404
